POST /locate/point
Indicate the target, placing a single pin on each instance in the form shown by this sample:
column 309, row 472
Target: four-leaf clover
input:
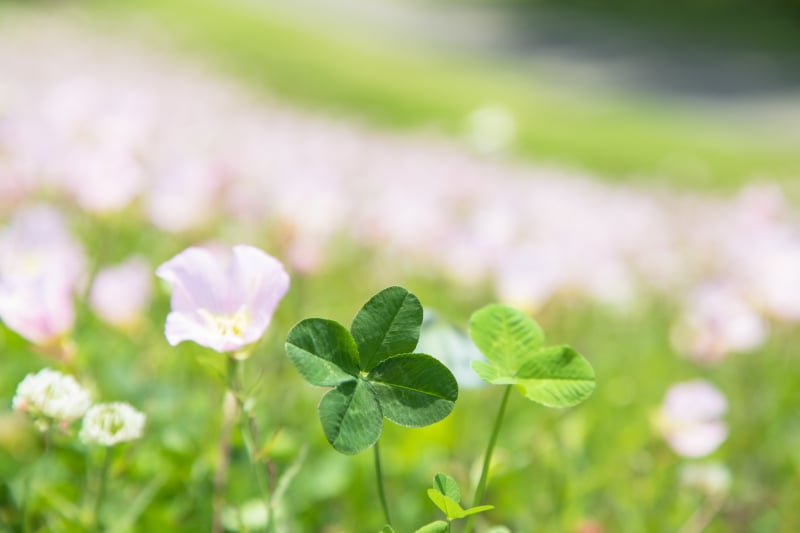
column 373, row 371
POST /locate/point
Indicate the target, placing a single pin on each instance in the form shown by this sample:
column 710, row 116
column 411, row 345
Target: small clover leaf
column 447, row 486
column 439, row 526
column 446, row 504
column 512, row 341
column 373, row 373
column 446, row 495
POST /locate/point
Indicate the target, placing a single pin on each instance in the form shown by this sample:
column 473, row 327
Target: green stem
column 704, row 515
column 487, row 458
column 229, row 409
column 381, row 491
column 33, row 477
column 26, row 508
column 101, row 487
column 249, row 433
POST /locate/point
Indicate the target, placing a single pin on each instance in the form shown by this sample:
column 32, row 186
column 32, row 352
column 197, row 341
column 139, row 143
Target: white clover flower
column 108, row 424
column 51, row 394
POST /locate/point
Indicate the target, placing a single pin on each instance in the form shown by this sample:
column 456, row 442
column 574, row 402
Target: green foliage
column 447, row 486
column 439, row 526
column 373, row 370
column 555, row 376
column 446, row 495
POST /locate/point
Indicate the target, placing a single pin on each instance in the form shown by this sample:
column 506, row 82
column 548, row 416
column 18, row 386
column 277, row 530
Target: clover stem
column 32, row 476
column 381, row 491
column 487, row 458
column 101, row 487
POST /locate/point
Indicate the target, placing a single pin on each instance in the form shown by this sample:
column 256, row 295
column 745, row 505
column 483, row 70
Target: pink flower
column 120, row 294
column 716, row 322
column 36, row 244
column 222, row 301
column 41, row 269
column 40, row 310
column 690, row 418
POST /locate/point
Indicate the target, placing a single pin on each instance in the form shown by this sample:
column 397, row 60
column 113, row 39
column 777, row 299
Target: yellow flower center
column 227, row 325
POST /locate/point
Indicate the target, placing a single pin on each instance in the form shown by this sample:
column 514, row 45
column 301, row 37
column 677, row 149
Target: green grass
column 374, row 80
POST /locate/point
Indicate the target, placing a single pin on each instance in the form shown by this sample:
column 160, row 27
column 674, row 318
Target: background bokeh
column 625, row 172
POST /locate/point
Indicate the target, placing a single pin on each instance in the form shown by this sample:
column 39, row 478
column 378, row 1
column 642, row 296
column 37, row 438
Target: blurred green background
column 690, row 96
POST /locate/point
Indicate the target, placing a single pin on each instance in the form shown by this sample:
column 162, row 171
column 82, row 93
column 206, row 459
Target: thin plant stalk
column 30, row 479
column 381, row 491
column 223, row 460
column 26, row 508
column 249, row 433
column 704, row 515
column 101, row 487
column 487, row 458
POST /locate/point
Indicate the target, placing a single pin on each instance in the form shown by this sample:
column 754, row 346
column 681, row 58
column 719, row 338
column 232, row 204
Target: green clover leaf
column 439, row 526
column 447, row 486
column 555, row 376
column 372, row 370
column 446, row 495
column 387, row 325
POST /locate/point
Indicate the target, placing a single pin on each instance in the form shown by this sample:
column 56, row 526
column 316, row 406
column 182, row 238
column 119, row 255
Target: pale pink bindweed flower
column 42, row 310
column 41, row 269
column 223, row 301
column 120, row 294
column 715, row 322
column 774, row 281
column 36, row 244
column 183, row 196
column 690, row 418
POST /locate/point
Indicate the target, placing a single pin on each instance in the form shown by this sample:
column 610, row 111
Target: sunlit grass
column 349, row 74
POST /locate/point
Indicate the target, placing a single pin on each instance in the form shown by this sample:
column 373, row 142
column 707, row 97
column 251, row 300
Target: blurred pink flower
column 689, row 418
column 717, row 321
column 41, row 269
column 222, row 301
column 36, row 244
column 40, row 310
column 120, row 294
column 184, row 195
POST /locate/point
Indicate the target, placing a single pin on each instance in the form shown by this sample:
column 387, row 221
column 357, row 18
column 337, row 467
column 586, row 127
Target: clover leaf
column 555, row 376
column 373, row 370
column 439, row 526
column 446, row 495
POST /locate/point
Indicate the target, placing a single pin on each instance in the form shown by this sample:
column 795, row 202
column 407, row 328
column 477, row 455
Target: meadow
column 682, row 292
